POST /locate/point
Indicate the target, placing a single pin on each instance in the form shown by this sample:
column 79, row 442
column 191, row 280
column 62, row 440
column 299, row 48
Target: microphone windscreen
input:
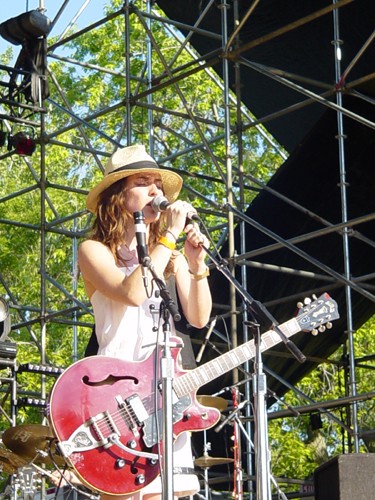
column 160, row 204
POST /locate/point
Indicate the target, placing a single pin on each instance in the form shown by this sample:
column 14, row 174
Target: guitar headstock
column 316, row 315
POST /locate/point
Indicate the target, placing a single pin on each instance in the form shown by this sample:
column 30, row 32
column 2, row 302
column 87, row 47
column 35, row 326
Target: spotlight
column 27, row 26
column 4, row 319
column 3, row 136
column 22, row 143
column 316, row 421
column 34, row 402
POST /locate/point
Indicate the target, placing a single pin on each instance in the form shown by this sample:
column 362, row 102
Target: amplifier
column 346, row 477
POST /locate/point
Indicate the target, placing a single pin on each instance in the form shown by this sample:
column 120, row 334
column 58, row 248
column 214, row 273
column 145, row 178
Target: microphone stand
column 259, row 311
column 262, row 452
column 167, row 374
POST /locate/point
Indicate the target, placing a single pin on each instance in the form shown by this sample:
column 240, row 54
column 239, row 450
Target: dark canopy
column 279, row 35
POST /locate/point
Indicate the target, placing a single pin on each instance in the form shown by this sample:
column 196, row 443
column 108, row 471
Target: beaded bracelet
column 198, row 277
column 170, row 232
column 167, row 243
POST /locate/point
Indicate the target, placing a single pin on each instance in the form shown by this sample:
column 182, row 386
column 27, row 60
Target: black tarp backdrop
column 306, row 51
column 310, row 177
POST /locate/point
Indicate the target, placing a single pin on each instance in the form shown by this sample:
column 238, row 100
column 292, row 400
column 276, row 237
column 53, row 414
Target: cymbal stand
column 76, row 491
column 238, row 478
column 236, row 420
column 206, row 449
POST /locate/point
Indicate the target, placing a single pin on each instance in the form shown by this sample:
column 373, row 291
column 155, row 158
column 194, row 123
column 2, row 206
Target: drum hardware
column 206, row 461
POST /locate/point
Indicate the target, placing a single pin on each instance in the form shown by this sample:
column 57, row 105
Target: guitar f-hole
column 110, row 380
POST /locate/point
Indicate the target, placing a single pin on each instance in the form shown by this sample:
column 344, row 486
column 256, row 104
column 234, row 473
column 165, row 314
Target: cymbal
column 207, row 461
column 214, row 401
column 28, row 440
column 9, row 461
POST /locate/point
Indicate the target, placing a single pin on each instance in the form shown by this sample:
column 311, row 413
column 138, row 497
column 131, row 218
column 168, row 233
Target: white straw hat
column 129, row 161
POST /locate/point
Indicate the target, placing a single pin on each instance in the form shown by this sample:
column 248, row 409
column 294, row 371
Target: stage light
column 22, row 143
column 45, row 369
column 3, row 135
column 34, row 402
column 4, row 319
column 8, row 351
column 27, row 26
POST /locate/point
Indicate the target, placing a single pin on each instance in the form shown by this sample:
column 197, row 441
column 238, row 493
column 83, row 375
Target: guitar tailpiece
column 83, row 440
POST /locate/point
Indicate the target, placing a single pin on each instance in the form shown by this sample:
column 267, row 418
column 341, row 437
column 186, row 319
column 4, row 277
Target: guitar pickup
column 139, row 410
column 133, row 412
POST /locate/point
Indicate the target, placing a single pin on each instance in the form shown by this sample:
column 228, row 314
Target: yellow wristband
column 198, row 277
column 167, row 243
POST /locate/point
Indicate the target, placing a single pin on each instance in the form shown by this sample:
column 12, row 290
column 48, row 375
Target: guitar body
column 108, row 420
column 99, row 397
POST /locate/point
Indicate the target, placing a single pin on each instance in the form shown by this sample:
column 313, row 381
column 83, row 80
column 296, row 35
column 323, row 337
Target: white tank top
column 128, row 332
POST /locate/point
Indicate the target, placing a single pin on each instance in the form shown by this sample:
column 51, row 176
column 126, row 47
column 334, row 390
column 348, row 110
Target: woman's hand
column 178, row 217
column 194, row 251
column 62, row 478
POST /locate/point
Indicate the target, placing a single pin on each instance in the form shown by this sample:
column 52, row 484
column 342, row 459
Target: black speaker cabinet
column 346, row 477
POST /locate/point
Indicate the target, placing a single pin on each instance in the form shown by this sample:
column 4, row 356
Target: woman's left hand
column 194, row 243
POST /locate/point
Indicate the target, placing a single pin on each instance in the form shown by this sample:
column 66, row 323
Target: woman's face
column 141, row 189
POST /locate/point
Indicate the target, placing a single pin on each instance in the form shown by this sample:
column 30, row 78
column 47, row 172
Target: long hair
column 112, row 220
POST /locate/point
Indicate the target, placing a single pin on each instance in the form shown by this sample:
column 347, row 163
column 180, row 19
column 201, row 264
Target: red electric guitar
column 103, row 410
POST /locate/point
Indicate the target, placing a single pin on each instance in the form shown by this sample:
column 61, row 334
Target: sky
column 92, row 10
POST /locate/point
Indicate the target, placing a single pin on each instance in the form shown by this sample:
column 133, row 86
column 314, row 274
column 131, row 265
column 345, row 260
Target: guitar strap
column 187, row 354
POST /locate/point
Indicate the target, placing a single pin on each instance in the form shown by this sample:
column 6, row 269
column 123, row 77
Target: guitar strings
column 126, row 414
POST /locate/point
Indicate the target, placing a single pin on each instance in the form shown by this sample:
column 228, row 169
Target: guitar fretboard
column 193, row 379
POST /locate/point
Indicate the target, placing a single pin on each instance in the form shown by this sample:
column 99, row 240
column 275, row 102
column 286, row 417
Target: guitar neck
column 193, row 379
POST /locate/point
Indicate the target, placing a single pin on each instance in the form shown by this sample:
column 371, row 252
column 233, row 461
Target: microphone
column 140, row 234
column 205, row 342
column 160, row 204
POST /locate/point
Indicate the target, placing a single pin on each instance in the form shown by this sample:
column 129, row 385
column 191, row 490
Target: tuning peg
column 322, row 328
column 299, row 305
column 314, row 332
column 314, row 296
column 307, row 301
column 329, row 325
